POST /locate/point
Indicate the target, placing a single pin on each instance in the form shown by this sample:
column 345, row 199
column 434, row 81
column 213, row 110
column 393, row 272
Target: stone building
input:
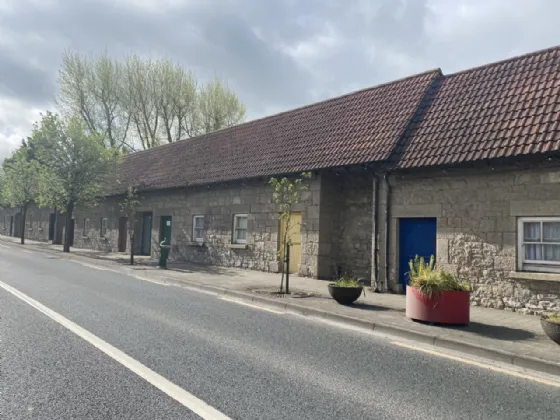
column 464, row 167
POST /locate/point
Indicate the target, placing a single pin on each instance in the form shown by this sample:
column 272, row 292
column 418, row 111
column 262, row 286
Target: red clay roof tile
column 357, row 128
column 513, row 104
column 504, row 109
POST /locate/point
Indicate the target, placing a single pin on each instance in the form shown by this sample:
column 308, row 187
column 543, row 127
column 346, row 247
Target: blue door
column 417, row 236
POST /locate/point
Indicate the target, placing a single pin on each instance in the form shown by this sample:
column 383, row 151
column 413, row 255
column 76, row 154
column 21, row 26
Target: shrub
column 429, row 279
column 347, row 281
column 553, row 317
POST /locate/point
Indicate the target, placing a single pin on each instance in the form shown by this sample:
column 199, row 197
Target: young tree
column 21, row 184
column 3, row 202
column 77, row 168
column 286, row 194
column 129, row 206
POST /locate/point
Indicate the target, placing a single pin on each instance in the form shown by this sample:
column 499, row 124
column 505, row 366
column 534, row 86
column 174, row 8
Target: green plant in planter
column 553, row 317
column 431, row 280
column 347, row 281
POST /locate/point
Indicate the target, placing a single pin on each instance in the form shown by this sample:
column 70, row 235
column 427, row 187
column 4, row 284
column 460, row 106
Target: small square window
column 539, row 244
column 240, row 228
column 198, row 228
column 103, row 230
column 85, row 229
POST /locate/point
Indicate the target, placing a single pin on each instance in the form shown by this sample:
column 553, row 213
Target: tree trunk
column 69, row 211
column 132, row 250
column 22, row 224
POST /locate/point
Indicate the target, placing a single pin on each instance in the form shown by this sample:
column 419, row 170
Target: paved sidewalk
column 506, row 336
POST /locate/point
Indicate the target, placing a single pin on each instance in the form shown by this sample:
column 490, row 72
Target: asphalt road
column 245, row 362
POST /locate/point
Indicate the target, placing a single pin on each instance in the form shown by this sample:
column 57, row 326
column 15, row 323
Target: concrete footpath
column 498, row 335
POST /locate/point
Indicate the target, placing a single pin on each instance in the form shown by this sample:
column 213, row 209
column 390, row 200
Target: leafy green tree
column 2, row 188
column 129, row 206
column 77, row 168
column 20, row 184
column 286, row 194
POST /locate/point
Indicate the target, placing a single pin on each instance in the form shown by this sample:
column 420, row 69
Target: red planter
column 443, row 308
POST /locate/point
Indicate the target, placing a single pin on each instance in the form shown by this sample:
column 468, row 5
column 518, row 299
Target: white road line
column 240, row 302
column 4, row 246
column 185, row 398
column 26, row 251
column 474, row 363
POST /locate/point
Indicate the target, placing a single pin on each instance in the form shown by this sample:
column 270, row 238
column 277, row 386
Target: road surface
column 78, row 342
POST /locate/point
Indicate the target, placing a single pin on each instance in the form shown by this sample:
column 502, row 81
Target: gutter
column 376, row 183
column 387, row 226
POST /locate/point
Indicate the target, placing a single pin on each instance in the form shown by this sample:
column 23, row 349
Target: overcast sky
column 277, row 54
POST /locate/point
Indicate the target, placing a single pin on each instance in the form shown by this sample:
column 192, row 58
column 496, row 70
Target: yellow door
column 294, row 234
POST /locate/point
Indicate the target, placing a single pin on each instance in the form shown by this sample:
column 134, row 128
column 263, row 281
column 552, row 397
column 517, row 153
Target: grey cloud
column 251, row 43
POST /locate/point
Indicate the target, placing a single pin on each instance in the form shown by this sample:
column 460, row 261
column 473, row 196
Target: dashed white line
column 185, row 398
column 240, row 302
column 26, row 251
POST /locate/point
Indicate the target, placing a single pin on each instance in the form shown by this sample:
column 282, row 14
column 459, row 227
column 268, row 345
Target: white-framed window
column 103, row 230
column 240, row 228
column 85, row 228
column 538, row 244
column 198, row 228
column 30, row 221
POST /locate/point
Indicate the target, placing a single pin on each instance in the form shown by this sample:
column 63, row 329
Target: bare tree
column 142, row 99
column 92, row 87
column 177, row 90
column 142, row 102
column 218, row 107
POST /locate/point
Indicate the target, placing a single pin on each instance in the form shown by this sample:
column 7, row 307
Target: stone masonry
column 477, row 213
column 36, row 223
column 218, row 205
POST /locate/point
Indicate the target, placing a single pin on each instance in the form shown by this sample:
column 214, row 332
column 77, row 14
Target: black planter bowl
column 551, row 329
column 345, row 295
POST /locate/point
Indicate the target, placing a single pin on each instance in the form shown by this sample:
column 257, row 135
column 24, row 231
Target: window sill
column 85, row 237
column 237, row 246
column 196, row 244
column 532, row 276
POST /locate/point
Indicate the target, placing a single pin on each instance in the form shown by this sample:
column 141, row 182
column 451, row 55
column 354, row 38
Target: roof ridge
column 159, row 147
column 505, row 60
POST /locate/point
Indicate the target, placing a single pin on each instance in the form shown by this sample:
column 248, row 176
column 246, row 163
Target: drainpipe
column 375, row 233
column 387, row 226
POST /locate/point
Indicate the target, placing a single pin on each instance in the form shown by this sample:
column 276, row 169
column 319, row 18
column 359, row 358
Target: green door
column 165, row 230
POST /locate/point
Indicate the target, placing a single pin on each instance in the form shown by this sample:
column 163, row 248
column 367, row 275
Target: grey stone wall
column 476, row 229
column 91, row 237
column 36, row 224
column 354, row 199
column 218, row 205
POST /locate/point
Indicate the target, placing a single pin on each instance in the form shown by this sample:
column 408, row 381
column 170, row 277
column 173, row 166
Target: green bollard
column 163, row 254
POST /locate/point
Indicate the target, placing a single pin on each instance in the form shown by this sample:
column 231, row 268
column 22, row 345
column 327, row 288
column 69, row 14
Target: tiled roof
column 357, row 128
column 504, row 109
